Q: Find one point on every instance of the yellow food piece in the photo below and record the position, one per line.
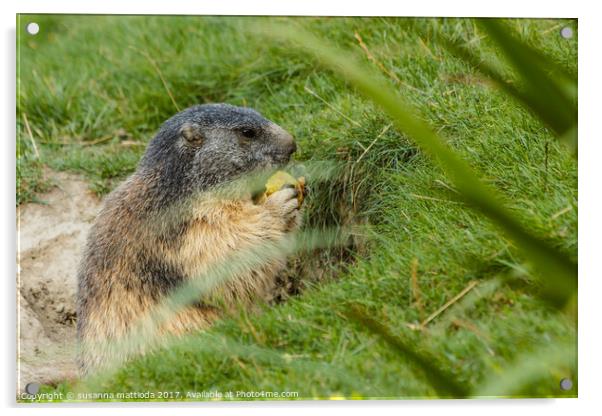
(280, 179)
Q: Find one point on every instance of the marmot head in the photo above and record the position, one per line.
(209, 144)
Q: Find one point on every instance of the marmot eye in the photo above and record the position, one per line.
(248, 133)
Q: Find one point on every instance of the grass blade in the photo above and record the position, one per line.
(557, 272)
(528, 369)
(527, 100)
(546, 85)
(444, 383)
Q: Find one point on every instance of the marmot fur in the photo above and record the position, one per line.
(138, 251)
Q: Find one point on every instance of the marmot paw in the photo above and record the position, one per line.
(284, 203)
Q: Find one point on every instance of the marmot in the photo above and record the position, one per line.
(138, 251)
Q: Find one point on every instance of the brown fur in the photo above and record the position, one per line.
(215, 229)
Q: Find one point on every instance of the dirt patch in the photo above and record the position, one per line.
(51, 237)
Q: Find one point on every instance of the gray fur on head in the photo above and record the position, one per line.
(209, 144)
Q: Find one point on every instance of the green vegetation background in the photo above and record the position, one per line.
(93, 90)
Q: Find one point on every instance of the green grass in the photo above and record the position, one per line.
(91, 92)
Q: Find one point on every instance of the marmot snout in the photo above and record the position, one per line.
(138, 251)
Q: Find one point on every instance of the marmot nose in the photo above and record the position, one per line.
(286, 140)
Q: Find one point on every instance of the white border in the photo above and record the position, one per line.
(590, 209)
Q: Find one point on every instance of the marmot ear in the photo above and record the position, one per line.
(192, 133)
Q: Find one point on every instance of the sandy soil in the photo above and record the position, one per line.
(51, 237)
